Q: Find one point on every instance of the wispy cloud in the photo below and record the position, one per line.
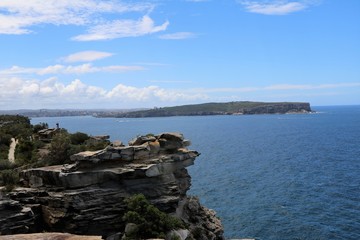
(311, 87)
(86, 56)
(20, 17)
(152, 64)
(69, 69)
(226, 90)
(178, 36)
(169, 81)
(280, 87)
(275, 7)
(121, 29)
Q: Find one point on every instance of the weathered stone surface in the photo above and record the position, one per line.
(49, 236)
(87, 155)
(204, 225)
(87, 197)
(141, 140)
(130, 228)
(17, 218)
(181, 234)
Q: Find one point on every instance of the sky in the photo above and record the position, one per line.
(88, 54)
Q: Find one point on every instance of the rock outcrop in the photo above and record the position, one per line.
(87, 196)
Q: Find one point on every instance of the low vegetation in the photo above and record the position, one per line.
(150, 221)
(36, 150)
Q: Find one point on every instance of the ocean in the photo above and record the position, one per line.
(293, 176)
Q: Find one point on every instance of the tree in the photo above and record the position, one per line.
(59, 150)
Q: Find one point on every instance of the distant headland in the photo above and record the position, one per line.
(212, 108)
(228, 108)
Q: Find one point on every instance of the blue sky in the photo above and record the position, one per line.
(129, 54)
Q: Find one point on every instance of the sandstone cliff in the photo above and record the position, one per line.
(87, 197)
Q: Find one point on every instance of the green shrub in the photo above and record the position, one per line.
(9, 178)
(23, 152)
(5, 164)
(78, 138)
(5, 139)
(76, 149)
(59, 150)
(174, 237)
(96, 145)
(40, 126)
(4, 152)
(152, 222)
(38, 144)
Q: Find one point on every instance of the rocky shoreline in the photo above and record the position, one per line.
(87, 196)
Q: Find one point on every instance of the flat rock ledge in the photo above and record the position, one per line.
(87, 196)
(49, 236)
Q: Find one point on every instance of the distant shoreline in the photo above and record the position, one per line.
(229, 108)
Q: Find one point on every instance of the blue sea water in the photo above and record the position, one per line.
(267, 176)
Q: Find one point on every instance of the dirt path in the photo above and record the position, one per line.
(12, 150)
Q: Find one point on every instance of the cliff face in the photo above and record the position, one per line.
(278, 108)
(87, 197)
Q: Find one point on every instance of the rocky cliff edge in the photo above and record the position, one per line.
(87, 196)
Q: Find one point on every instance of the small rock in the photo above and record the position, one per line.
(181, 234)
(117, 143)
(130, 229)
(141, 140)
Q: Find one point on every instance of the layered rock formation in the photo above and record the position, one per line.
(87, 197)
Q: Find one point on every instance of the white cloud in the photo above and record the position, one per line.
(63, 69)
(178, 36)
(86, 56)
(54, 69)
(19, 17)
(276, 7)
(17, 70)
(18, 93)
(121, 29)
(51, 93)
(29, 89)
